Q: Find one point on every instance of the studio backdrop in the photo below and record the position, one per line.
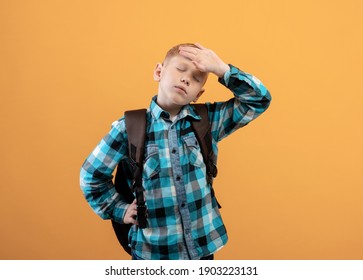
(290, 182)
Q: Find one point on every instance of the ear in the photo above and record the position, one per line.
(157, 72)
(199, 95)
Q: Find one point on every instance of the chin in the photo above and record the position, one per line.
(177, 100)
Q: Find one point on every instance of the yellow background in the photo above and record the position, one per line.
(290, 183)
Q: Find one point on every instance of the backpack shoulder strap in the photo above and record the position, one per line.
(136, 128)
(136, 131)
(202, 130)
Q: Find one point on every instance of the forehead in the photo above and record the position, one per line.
(181, 60)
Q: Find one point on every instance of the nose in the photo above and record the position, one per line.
(185, 80)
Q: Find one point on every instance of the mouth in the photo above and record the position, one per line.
(182, 89)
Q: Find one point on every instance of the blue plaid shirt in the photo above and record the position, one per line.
(184, 221)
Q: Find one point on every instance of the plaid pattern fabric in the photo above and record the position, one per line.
(184, 221)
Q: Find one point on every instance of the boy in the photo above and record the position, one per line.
(184, 221)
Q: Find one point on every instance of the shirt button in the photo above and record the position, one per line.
(182, 205)
(173, 151)
(178, 178)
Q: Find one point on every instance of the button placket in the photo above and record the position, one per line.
(181, 196)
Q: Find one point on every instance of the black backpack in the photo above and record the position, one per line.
(136, 130)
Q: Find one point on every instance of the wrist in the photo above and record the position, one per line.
(222, 69)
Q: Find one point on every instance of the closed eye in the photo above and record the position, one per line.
(197, 79)
(180, 69)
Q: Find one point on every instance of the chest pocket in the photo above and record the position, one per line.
(193, 150)
(152, 161)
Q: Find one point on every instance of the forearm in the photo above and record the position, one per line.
(96, 175)
(101, 197)
(247, 89)
(221, 69)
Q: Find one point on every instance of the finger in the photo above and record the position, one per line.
(132, 213)
(133, 217)
(199, 66)
(200, 46)
(131, 221)
(130, 217)
(131, 207)
(192, 50)
(188, 55)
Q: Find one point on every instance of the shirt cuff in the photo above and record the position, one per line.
(225, 79)
(120, 211)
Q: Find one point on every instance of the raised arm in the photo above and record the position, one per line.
(251, 98)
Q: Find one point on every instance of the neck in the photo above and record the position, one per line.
(173, 114)
(173, 110)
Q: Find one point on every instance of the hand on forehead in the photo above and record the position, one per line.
(191, 52)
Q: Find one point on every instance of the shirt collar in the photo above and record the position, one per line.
(187, 111)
